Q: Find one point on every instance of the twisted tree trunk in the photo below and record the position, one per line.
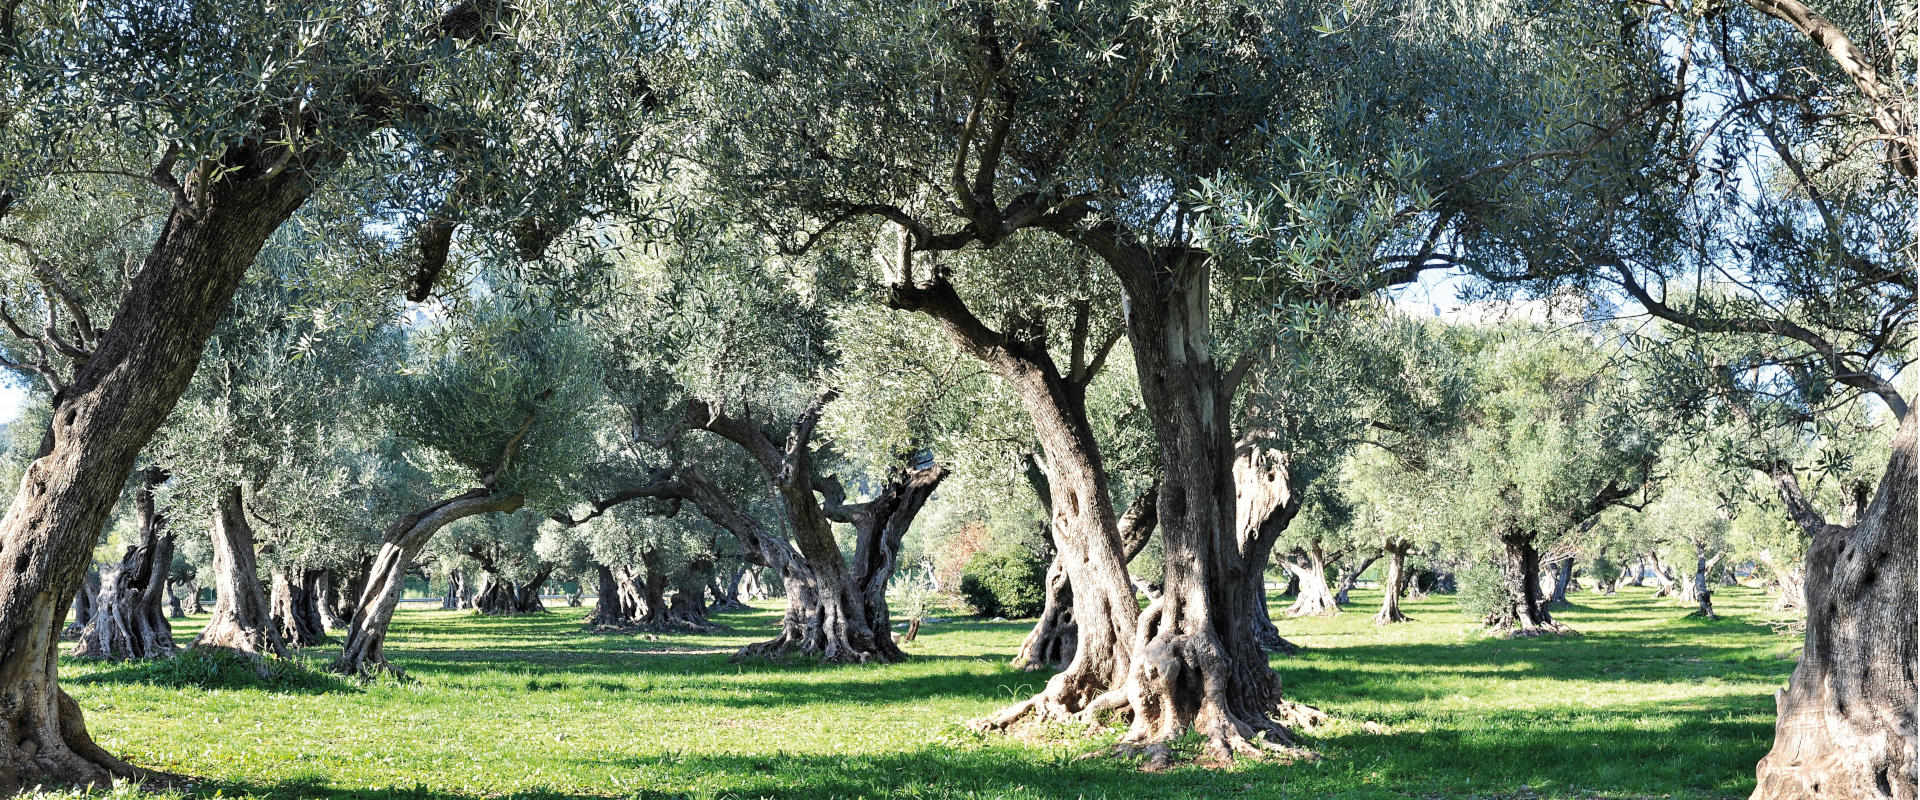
(1560, 577)
(880, 525)
(1084, 523)
(1846, 723)
(296, 608)
(1309, 566)
(1196, 668)
(456, 580)
(1395, 584)
(1522, 612)
(1351, 576)
(242, 621)
(327, 597)
(128, 620)
(365, 652)
(1699, 590)
(614, 606)
(1265, 503)
(502, 597)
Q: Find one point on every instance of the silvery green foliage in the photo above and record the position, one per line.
(275, 408)
(1314, 150)
(509, 541)
(1552, 424)
(1363, 404)
(535, 107)
(497, 394)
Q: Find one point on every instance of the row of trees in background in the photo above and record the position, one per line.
(690, 285)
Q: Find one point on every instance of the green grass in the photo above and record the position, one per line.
(1645, 703)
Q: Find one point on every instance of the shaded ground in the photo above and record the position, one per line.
(1645, 703)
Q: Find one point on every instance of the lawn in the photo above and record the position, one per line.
(1644, 703)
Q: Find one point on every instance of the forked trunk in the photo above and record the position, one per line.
(365, 650)
(1559, 578)
(296, 610)
(242, 621)
(880, 526)
(1522, 611)
(503, 597)
(1350, 576)
(614, 606)
(1846, 719)
(1394, 586)
(1309, 567)
(129, 621)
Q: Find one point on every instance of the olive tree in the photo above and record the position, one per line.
(1136, 137)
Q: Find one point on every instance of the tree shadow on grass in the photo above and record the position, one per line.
(204, 669)
(313, 787)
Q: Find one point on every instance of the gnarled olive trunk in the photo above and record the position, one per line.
(502, 597)
(1395, 585)
(1196, 666)
(1308, 565)
(1522, 610)
(1265, 503)
(83, 602)
(365, 651)
(327, 597)
(99, 423)
(1558, 579)
(456, 581)
(1350, 576)
(1846, 723)
(1083, 520)
(880, 525)
(614, 605)
(242, 621)
(1665, 584)
(296, 608)
(128, 620)
(1699, 590)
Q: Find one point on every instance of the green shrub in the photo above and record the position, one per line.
(1482, 589)
(1007, 581)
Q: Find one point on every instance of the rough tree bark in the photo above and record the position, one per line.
(1194, 668)
(128, 620)
(502, 597)
(1846, 722)
(242, 621)
(296, 608)
(614, 606)
(327, 597)
(1522, 611)
(1699, 590)
(456, 581)
(1664, 582)
(1351, 576)
(1396, 583)
(1083, 521)
(1560, 577)
(364, 653)
(1308, 565)
(829, 613)
(83, 601)
(1265, 503)
(131, 380)
(880, 525)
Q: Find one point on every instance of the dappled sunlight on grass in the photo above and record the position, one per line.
(1643, 703)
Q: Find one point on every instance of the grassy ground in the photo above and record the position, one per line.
(1645, 703)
